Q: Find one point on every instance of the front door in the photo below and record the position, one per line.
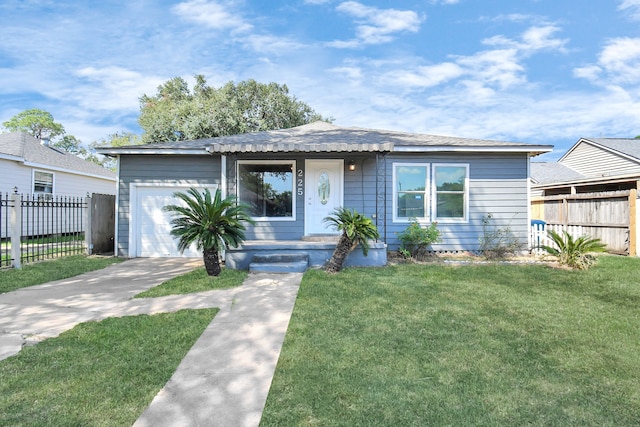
(323, 193)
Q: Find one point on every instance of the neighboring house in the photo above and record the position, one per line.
(293, 178)
(593, 187)
(30, 167)
(591, 165)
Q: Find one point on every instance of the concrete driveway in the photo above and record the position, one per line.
(223, 380)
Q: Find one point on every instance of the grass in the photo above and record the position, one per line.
(196, 281)
(56, 269)
(466, 345)
(99, 373)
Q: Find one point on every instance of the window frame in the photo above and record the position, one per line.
(465, 193)
(426, 192)
(291, 163)
(431, 193)
(33, 181)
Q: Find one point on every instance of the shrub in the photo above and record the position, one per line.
(415, 240)
(497, 243)
(574, 253)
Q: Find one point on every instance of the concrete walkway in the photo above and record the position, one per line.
(225, 377)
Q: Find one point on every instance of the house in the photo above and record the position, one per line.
(591, 165)
(593, 186)
(293, 178)
(30, 167)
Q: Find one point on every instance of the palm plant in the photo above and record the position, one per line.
(575, 253)
(212, 223)
(356, 229)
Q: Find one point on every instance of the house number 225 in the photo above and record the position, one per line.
(300, 183)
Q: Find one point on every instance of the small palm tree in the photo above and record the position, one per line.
(575, 253)
(213, 224)
(356, 229)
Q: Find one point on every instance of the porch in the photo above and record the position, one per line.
(297, 255)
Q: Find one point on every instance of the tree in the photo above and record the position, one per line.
(71, 144)
(36, 122)
(118, 139)
(176, 113)
(356, 229)
(213, 224)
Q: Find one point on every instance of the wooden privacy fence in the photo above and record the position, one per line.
(34, 228)
(610, 217)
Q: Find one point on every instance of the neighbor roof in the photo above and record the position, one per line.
(22, 147)
(325, 137)
(552, 172)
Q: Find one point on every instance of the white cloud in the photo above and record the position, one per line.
(533, 39)
(618, 64)
(428, 76)
(271, 44)
(213, 14)
(353, 73)
(632, 7)
(621, 58)
(376, 26)
(112, 88)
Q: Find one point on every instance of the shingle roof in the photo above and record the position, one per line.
(25, 147)
(628, 146)
(551, 172)
(326, 137)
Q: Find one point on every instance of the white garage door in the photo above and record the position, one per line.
(152, 226)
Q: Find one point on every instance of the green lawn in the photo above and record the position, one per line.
(99, 373)
(196, 281)
(55, 269)
(416, 345)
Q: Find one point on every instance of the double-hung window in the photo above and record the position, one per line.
(42, 182)
(267, 188)
(411, 191)
(450, 192)
(430, 192)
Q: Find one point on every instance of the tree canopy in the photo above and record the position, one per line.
(38, 123)
(176, 113)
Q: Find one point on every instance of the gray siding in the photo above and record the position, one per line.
(497, 186)
(593, 161)
(169, 169)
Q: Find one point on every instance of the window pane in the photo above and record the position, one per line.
(267, 189)
(411, 178)
(450, 205)
(410, 205)
(450, 178)
(42, 182)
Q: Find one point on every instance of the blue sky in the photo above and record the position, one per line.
(538, 71)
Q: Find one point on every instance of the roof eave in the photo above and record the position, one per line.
(11, 157)
(116, 152)
(533, 150)
(587, 181)
(280, 147)
(69, 171)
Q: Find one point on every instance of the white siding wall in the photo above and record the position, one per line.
(595, 162)
(14, 174)
(66, 184)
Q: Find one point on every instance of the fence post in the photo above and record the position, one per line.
(16, 230)
(633, 243)
(87, 221)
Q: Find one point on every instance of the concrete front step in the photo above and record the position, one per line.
(279, 263)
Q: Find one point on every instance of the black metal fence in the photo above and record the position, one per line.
(50, 227)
